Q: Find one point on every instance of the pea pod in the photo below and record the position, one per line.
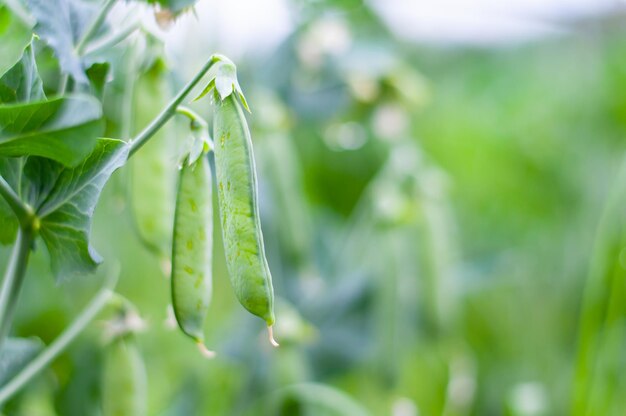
(124, 382)
(192, 249)
(152, 169)
(239, 211)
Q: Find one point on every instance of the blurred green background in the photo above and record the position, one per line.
(444, 226)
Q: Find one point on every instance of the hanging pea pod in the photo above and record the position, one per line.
(237, 197)
(153, 169)
(192, 250)
(124, 383)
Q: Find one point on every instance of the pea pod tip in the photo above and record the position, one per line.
(207, 353)
(270, 331)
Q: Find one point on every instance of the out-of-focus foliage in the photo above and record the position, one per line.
(430, 218)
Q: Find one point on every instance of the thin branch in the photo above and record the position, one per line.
(13, 279)
(170, 110)
(197, 122)
(192, 116)
(95, 25)
(22, 211)
(113, 39)
(20, 12)
(58, 345)
(84, 40)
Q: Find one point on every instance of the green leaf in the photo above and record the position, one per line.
(97, 74)
(14, 37)
(63, 129)
(22, 82)
(66, 199)
(61, 23)
(15, 353)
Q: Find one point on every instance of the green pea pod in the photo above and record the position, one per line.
(124, 383)
(239, 211)
(192, 249)
(153, 169)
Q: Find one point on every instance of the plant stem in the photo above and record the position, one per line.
(113, 39)
(170, 110)
(191, 115)
(93, 28)
(23, 212)
(20, 12)
(13, 279)
(82, 43)
(63, 83)
(57, 346)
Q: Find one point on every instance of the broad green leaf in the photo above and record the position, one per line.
(15, 353)
(64, 129)
(61, 23)
(14, 37)
(22, 83)
(67, 198)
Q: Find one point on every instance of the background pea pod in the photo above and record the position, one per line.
(153, 169)
(124, 384)
(192, 248)
(239, 211)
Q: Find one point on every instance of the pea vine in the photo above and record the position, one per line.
(54, 164)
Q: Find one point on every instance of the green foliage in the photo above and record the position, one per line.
(15, 353)
(97, 74)
(66, 210)
(427, 215)
(63, 129)
(22, 82)
(61, 25)
(14, 37)
(599, 363)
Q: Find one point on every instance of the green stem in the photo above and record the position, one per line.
(57, 346)
(170, 110)
(23, 212)
(20, 12)
(13, 279)
(82, 43)
(194, 117)
(63, 83)
(93, 28)
(113, 39)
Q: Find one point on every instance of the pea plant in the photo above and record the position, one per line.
(54, 163)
